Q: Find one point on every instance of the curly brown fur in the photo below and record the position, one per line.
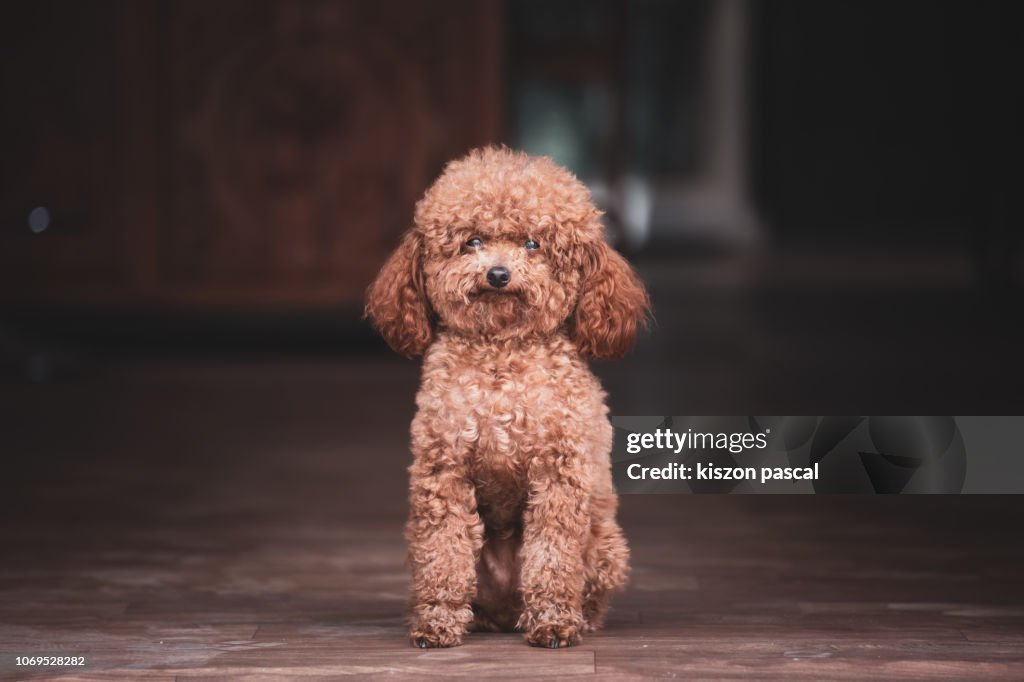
(512, 512)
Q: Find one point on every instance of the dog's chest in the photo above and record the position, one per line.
(503, 405)
(497, 410)
(509, 405)
(504, 409)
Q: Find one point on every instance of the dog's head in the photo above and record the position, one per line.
(507, 245)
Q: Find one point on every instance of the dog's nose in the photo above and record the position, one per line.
(498, 277)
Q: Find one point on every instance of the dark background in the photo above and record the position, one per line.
(821, 196)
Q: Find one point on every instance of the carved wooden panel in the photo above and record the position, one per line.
(230, 152)
(301, 143)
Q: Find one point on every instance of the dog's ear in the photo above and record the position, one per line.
(396, 302)
(612, 307)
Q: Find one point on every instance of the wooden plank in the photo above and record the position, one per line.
(235, 523)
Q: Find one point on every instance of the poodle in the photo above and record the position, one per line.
(506, 286)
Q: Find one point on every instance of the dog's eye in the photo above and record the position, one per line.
(531, 245)
(475, 243)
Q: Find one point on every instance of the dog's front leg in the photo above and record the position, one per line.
(556, 522)
(444, 534)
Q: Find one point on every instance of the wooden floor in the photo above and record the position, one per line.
(190, 520)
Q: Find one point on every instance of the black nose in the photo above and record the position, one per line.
(498, 277)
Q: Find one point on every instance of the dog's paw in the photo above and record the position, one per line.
(554, 636)
(434, 637)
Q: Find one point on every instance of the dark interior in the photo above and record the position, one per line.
(204, 445)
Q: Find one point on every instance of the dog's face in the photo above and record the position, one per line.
(507, 245)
